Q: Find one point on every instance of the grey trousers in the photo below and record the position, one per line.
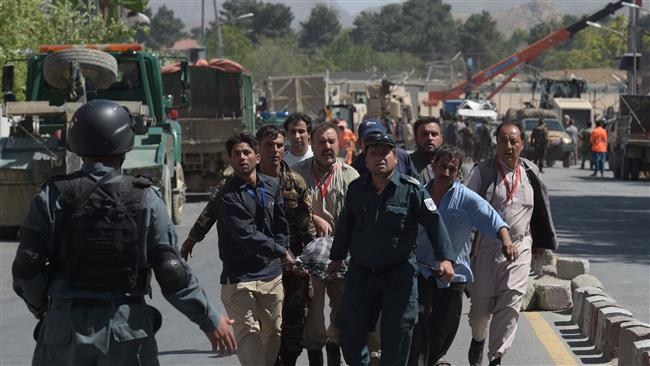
(504, 311)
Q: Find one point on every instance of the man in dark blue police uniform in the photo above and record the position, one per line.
(90, 240)
(378, 228)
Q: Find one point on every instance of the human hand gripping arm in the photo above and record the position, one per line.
(201, 227)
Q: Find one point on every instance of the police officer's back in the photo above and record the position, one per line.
(90, 240)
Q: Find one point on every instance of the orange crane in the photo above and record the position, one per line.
(522, 56)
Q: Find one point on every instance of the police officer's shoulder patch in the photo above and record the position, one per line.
(431, 206)
(409, 179)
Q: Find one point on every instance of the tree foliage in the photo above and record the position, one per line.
(26, 24)
(165, 29)
(321, 28)
(269, 20)
(480, 39)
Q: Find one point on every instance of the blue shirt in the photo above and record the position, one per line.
(461, 209)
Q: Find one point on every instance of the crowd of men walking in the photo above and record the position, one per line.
(386, 238)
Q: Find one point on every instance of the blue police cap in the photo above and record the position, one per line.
(379, 139)
(370, 126)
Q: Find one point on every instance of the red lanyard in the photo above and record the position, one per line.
(509, 191)
(323, 189)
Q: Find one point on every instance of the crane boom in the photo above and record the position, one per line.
(525, 55)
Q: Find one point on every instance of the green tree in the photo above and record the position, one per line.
(269, 20)
(236, 46)
(278, 57)
(321, 28)
(480, 39)
(420, 27)
(165, 29)
(26, 24)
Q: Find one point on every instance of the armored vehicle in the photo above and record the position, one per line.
(59, 80)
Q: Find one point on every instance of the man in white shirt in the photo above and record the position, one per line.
(298, 127)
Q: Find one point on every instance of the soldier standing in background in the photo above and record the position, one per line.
(539, 140)
(297, 208)
(585, 148)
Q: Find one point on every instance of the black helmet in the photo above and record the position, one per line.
(100, 128)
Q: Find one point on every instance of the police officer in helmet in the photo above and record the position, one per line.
(89, 242)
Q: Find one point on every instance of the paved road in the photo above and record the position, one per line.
(603, 220)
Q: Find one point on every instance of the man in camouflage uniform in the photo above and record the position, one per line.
(297, 208)
(539, 140)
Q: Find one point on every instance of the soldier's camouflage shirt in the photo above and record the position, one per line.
(297, 208)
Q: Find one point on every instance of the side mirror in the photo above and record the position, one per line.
(8, 83)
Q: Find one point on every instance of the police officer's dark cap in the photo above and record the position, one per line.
(379, 139)
(370, 126)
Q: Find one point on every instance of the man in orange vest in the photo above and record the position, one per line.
(599, 147)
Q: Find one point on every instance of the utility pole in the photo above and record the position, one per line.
(632, 43)
(218, 26)
(203, 23)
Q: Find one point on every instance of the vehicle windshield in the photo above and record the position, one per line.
(551, 124)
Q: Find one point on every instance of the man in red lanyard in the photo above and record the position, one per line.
(514, 188)
(327, 180)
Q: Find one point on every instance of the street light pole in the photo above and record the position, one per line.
(634, 17)
(218, 25)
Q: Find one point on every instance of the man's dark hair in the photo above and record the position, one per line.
(322, 127)
(268, 131)
(297, 117)
(599, 123)
(451, 151)
(588, 124)
(239, 139)
(424, 121)
(521, 130)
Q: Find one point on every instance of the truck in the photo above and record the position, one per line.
(60, 78)
(629, 138)
(560, 144)
(220, 105)
(564, 96)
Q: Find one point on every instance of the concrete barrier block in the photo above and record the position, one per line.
(602, 315)
(553, 297)
(641, 352)
(545, 264)
(528, 302)
(590, 314)
(612, 329)
(570, 268)
(626, 343)
(585, 280)
(578, 298)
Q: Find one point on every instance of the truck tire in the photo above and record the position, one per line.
(626, 168)
(549, 163)
(178, 196)
(100, 68)
(166, 186)
(635, 169)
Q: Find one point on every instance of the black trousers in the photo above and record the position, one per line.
(438, 320)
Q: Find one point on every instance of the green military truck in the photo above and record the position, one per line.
(220, 104)
(629, 138)
(59, 80)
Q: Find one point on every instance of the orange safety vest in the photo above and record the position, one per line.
(599, 140)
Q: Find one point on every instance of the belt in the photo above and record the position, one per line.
(380, 269)
(57, 303)
(519, 237)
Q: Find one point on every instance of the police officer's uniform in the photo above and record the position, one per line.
(90, 240)
(379, 231)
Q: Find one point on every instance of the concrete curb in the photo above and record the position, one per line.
(610, 328)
